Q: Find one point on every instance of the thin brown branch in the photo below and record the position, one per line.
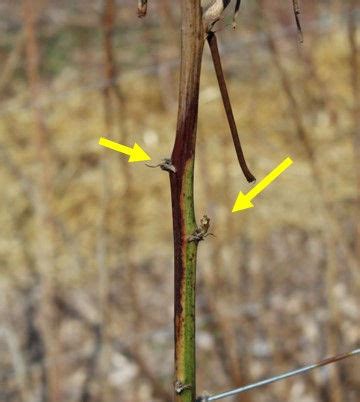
(211, 38)
(296, 8)
(304, 138)
(46, 233)
(236, 12)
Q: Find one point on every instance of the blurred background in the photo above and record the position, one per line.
(86, 279)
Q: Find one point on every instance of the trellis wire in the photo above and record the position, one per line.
(279, 377)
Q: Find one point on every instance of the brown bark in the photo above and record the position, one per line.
(184, 224)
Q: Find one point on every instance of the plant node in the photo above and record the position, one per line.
(165, 164)
(180, 387)
(201, 232)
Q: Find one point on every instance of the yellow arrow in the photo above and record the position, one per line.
(136, 153)
(243, 201)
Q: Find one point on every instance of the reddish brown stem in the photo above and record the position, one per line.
(212, 41)
(182, 195)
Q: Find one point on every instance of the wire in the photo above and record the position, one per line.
(279, 377)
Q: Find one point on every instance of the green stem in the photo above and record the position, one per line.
(182, 194)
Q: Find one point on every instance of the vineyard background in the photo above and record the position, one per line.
(86, 281)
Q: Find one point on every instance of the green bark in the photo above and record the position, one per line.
(182, 194)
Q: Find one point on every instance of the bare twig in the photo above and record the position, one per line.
(44, 205)
(296, 8)
(305, 139)
(211, 38)
(236, 12)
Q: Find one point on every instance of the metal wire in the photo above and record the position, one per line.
(280, 377)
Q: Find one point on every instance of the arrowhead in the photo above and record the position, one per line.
(138, 154)
(242, 202)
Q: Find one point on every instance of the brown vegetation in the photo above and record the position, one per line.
(86, 291)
